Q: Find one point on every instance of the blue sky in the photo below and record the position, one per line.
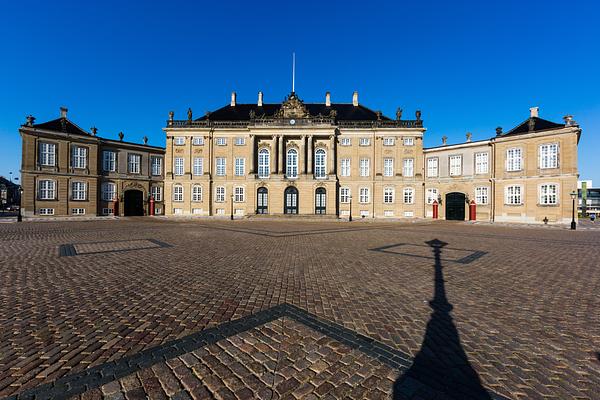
(469, 66)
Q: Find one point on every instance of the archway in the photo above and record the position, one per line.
(455, 206)
(134, 203)
(320, 201)
(290, 200)
(262, 201)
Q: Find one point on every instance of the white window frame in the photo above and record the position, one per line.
(46, 211)
(134, 163)
(408, 195)
(513, 195)
(482, 195)
(433, 167)
(77, 211)
(178, 193)
(344, 194)
(482, 162)
(240, 141)
(364, 195)
(239, 194)
(179, 140)
(78, 191)
(388, 167)
(220, 194)
(345, 141)
(546, 196)
(408, 167)
(388, 195)
(47, 154)
(240, 166)
(264, 163)
(345, 167)
(198, 166)
(320, 163)
(109, 191)
(46, 189)
(365, 167)
(109, 161)
(156, 193)
(514, 159)
(548, 155)
(389, 141)
(364, 141)
(179, 166)
(156, 165)
(198, 141)
(432, 195)
(221, 168)
(197, 193)
(291, 165)
(409, 141)
(221, 141)
(455, 165)
(79, 157)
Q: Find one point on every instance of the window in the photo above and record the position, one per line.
(109, 191)
(178, 211)
(408, 141)
(513, 159)
(238, 194)
(481, 195)
(388, 213)
(364, 213)
(177, 193)
(409, 195)
(220, 211)
(345, 167)
(107, 211)
(408, 167)
(109, 159)
(221, 166)
(78, 211)
(221, 141)
(388, 141)
(344, 195)
(364, 167)
(320, 162)
(156, 192)
(432, 195)
(240, 141)
(549, 155)
(47, 154)
(196, 193)
(240, 166)
(156, 165)
(481, 163)
(292, 164)
(548, 194)
(264, 161)
(47, 190)
(388, 167)
(197, 211)
(78, 157)
(455, 165)
(409, 213)
(364, 195)
(198, 141)
(513, 195)
(78, 190)
(178, 165)
(179, 140)
(46, 211)
(364, 141)
(432, 167)
(388, 195)
(345, 141)
(198, 166)
(133, 163)
(220, 194)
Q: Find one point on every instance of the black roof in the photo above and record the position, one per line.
(61, 125)
(533, 124)
(241, 112)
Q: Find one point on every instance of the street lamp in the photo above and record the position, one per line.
(573, 223)
(232, 206)
(350, 217)
(20, 216)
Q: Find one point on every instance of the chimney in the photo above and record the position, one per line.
(260, 99)
(63, 112)
(327, 99)
(534, 112)
(444, 140)
(232, 99)
(355, 99)
(469, 134)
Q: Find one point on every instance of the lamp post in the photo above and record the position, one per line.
(573, 223)
(350, 217)
(20, 216)
(232, 206)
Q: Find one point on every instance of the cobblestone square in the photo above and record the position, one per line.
(183, 308)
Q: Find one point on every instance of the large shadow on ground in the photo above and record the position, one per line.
(441, 368)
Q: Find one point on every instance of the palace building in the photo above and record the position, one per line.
(331, 160)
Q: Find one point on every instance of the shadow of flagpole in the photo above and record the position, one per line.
(441, 368)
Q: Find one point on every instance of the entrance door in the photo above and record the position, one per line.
(134, 203)
(290, 201)
(262, 201)
(320, 199)
(455, 206)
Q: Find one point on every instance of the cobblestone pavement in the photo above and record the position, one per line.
(284, 309)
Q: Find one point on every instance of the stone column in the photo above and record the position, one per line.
(309, 163)
(252, 154)
(280, 155)
(302, 155)
(331, 155)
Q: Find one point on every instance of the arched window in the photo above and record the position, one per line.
(197, 193)
(320, 162)
(177, 193)
(292, 163)
(264, 161)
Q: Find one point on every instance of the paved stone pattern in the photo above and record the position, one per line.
(526, 311)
